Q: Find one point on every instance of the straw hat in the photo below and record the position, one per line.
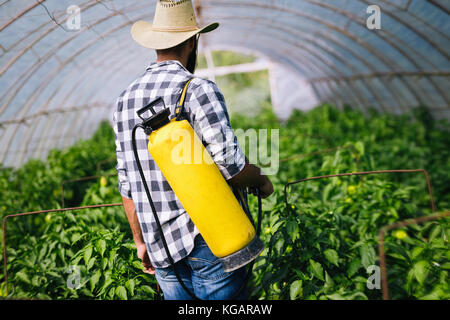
(174, 23)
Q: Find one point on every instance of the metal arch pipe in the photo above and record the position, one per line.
(40, 27)
(359, 57)
(380, 57)
(369, 66)
(73, 89)
(50, 123)
(332, 26)
(354, 17)
(65, 134)
(300, 14)
(86, 123)
(337, 94)
(49, 77)
(413, 29)
(323, 92)
(295, 44)
(30, 136)
(31, 132)
(76, 118)
(89, 124)
(440, 6)
(387, 74)
(81, 73)
(357, 91)
(90, 130)
(425, 39)
(36, 66)
(416, 17)
(26, 10)
(35, 41)
(28, 72)
(98, 58)
(410, 59)
(343, 32)
(83, 117)
(63, 130)
(39, 116)
(65, 42)
(51, 119)
(45, 134)
(63, 125)
(79, 117)
(338, 57)
(106, 75)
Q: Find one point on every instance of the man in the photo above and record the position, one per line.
(174, 35)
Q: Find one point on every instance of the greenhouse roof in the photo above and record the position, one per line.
(57, 84)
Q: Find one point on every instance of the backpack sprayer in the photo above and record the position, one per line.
(205, 195)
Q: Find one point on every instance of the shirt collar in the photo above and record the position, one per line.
(155, 64)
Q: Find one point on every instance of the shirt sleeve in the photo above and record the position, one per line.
(212, 124)
(124, 184)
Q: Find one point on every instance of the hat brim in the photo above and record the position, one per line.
(143, 33)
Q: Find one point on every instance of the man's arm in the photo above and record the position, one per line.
(142, 254)
(125, 191)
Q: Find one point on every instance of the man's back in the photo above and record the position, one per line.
(206, 111)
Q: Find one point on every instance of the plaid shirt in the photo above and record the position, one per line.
(207, 113)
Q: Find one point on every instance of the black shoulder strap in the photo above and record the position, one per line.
(179, 111)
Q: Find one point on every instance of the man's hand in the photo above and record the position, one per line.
(265, 190)
(143, 255)
(251, 177)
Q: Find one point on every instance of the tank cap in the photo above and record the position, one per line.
(157, 119)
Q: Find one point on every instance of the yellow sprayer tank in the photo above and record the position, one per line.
(201, 188)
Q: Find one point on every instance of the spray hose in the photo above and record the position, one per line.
(155, 215)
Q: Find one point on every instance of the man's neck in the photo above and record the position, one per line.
(177, 58)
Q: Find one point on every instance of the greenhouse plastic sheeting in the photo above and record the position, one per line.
(57, 83)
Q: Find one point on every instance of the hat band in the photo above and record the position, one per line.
(175, 29)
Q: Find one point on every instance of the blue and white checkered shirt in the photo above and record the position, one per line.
(207, 114)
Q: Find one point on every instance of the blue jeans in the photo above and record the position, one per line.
(203, 274)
